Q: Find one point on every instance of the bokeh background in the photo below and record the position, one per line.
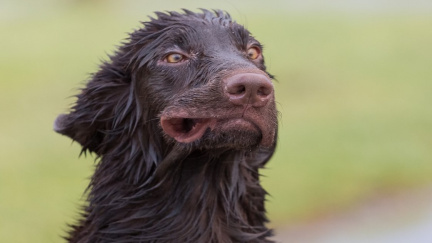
(354, 88)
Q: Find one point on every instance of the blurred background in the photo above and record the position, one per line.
(354, 89)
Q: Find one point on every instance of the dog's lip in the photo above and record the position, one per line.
(187, 129)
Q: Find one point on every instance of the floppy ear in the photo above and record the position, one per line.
(81, 131)
(108, 106)
(101, 108)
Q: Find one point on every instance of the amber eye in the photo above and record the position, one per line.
(174, 58)
(253, 52)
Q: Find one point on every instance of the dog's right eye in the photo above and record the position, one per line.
(174, 58)
(254, 52)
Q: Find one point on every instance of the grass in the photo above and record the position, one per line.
(353, 92)
(354, 100)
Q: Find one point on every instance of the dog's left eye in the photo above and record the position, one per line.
(254, 52)
(174, 58)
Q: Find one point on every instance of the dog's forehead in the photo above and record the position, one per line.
(215, 35)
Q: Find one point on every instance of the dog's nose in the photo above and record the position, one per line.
(249, 88)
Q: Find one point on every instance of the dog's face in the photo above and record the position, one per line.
(200, 76)
(217, 92)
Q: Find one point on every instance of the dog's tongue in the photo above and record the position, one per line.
(186, 130)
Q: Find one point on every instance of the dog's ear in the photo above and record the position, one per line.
(108, 105)
(79, 130)
(100, 110)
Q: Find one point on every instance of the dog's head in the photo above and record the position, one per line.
(192, 79)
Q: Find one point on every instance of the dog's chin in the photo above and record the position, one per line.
(232, 134)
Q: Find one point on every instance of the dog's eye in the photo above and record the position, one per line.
(174, 58)
(253, 52)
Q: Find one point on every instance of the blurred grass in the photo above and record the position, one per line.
(354, 92)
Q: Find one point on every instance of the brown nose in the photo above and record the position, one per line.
(249, 88)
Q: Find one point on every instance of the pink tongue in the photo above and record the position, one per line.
(186, 130)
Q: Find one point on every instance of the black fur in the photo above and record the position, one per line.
(150, 186)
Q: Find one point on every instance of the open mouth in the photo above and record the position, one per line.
(186, 130)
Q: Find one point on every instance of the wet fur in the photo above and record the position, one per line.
(147, 187)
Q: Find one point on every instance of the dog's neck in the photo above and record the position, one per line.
(217, 196)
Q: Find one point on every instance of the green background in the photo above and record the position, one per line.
(354, 89)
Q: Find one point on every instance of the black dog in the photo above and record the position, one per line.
(181, 117)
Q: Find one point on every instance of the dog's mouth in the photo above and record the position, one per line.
(186, 130)
(235, 127)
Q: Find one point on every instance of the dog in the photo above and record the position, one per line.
(181, 118)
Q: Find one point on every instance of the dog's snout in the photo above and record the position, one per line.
(249, 88)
